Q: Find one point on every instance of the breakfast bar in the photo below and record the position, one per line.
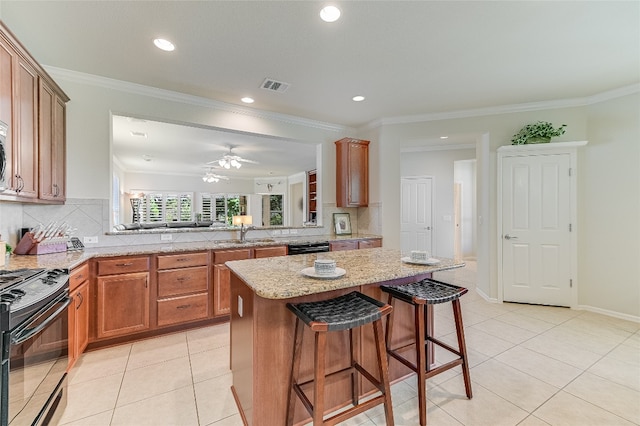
(262, 328)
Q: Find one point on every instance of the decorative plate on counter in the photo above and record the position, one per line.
(430, 261)
(311, 273)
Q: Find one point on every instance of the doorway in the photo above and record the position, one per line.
(416, 214)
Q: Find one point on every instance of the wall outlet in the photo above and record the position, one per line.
(166, 237)
(90, 240)
(275, 232)
(285, 232)
(293, 231)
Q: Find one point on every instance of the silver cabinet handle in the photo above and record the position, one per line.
(509, 237)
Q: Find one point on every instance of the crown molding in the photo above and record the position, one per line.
(169, 95)
(506, 109)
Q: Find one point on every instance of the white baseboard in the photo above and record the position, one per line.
(609, 313)
(485, 297)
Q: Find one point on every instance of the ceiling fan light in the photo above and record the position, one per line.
(235, 163)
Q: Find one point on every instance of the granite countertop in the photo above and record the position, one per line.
(71, 259)
(284, 279)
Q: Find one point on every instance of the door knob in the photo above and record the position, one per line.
(509, 237)
(428, 228)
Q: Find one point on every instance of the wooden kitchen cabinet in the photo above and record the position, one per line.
(365, 244)
(122, 296)
(343, 245)
(222, 278)
(352, 173)
(312, 196)
(31, 105)
(52, 119)
(183, 288)
(260, 252)
(24, 177)
(78, 312)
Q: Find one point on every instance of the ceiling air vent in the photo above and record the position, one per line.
(274, 86)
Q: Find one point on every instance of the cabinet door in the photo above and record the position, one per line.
(60, 150)
(81, 303)
(25, 156)
(123, 304)
(45, 145)
(343, 245)
(221, 290)
(260, 252)
(51, 144)
(365, 244)
(352, 173)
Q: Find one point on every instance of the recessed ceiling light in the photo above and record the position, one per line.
(358, 98)
(164, 44)
(247, 100)
(330, 14)
(146, 157)
(444, 137)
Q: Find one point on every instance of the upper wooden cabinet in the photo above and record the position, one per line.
(52, 119)
(33, 107)
(352, 173)
(312, 196)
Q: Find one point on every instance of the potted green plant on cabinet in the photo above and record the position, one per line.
(540, 132)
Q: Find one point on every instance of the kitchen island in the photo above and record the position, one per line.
(262, 327)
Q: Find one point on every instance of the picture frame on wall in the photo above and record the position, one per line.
(342, 223)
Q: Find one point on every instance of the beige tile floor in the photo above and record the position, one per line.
(530, 365)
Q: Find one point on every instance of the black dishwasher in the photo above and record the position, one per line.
(306, 248)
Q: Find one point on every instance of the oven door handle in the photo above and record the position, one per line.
(27, 333)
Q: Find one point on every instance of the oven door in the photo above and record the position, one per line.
(38, 363)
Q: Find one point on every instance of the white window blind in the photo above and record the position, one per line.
(166, 207)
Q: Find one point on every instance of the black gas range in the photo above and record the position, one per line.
(34, 342)
(25, 291)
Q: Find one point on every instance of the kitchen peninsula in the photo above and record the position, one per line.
(262, 327)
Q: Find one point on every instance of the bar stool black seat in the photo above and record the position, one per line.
(346, 312)
(420, 294)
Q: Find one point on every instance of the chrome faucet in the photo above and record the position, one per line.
(243, 231)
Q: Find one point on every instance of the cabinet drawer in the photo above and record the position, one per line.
(172, 261)
(343, 245)
(364, 244)
(123, 265)
(227, 255)
(270, 251)
(78, 276)
(182, 281)
(182, 309)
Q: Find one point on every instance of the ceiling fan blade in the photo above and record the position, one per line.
(244, 160)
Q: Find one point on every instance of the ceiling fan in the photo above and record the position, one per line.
(210, 177)
(230, 160)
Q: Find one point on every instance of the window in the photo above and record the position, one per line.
(222, 207)
(275, 209)
(166, 207)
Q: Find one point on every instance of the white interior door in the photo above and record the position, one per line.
(457, 220)
(416, 226)
(536, 226)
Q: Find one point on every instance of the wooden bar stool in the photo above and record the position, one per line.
(341, 313)
(421, 294)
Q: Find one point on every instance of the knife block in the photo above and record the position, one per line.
(28, 245)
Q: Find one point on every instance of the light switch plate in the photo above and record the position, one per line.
(166, 237)
(240, 307)
(90, 240)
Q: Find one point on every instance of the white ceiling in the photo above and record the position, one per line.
(406, 57)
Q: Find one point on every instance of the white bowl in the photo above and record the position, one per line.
(324, 266)
(419, 255)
